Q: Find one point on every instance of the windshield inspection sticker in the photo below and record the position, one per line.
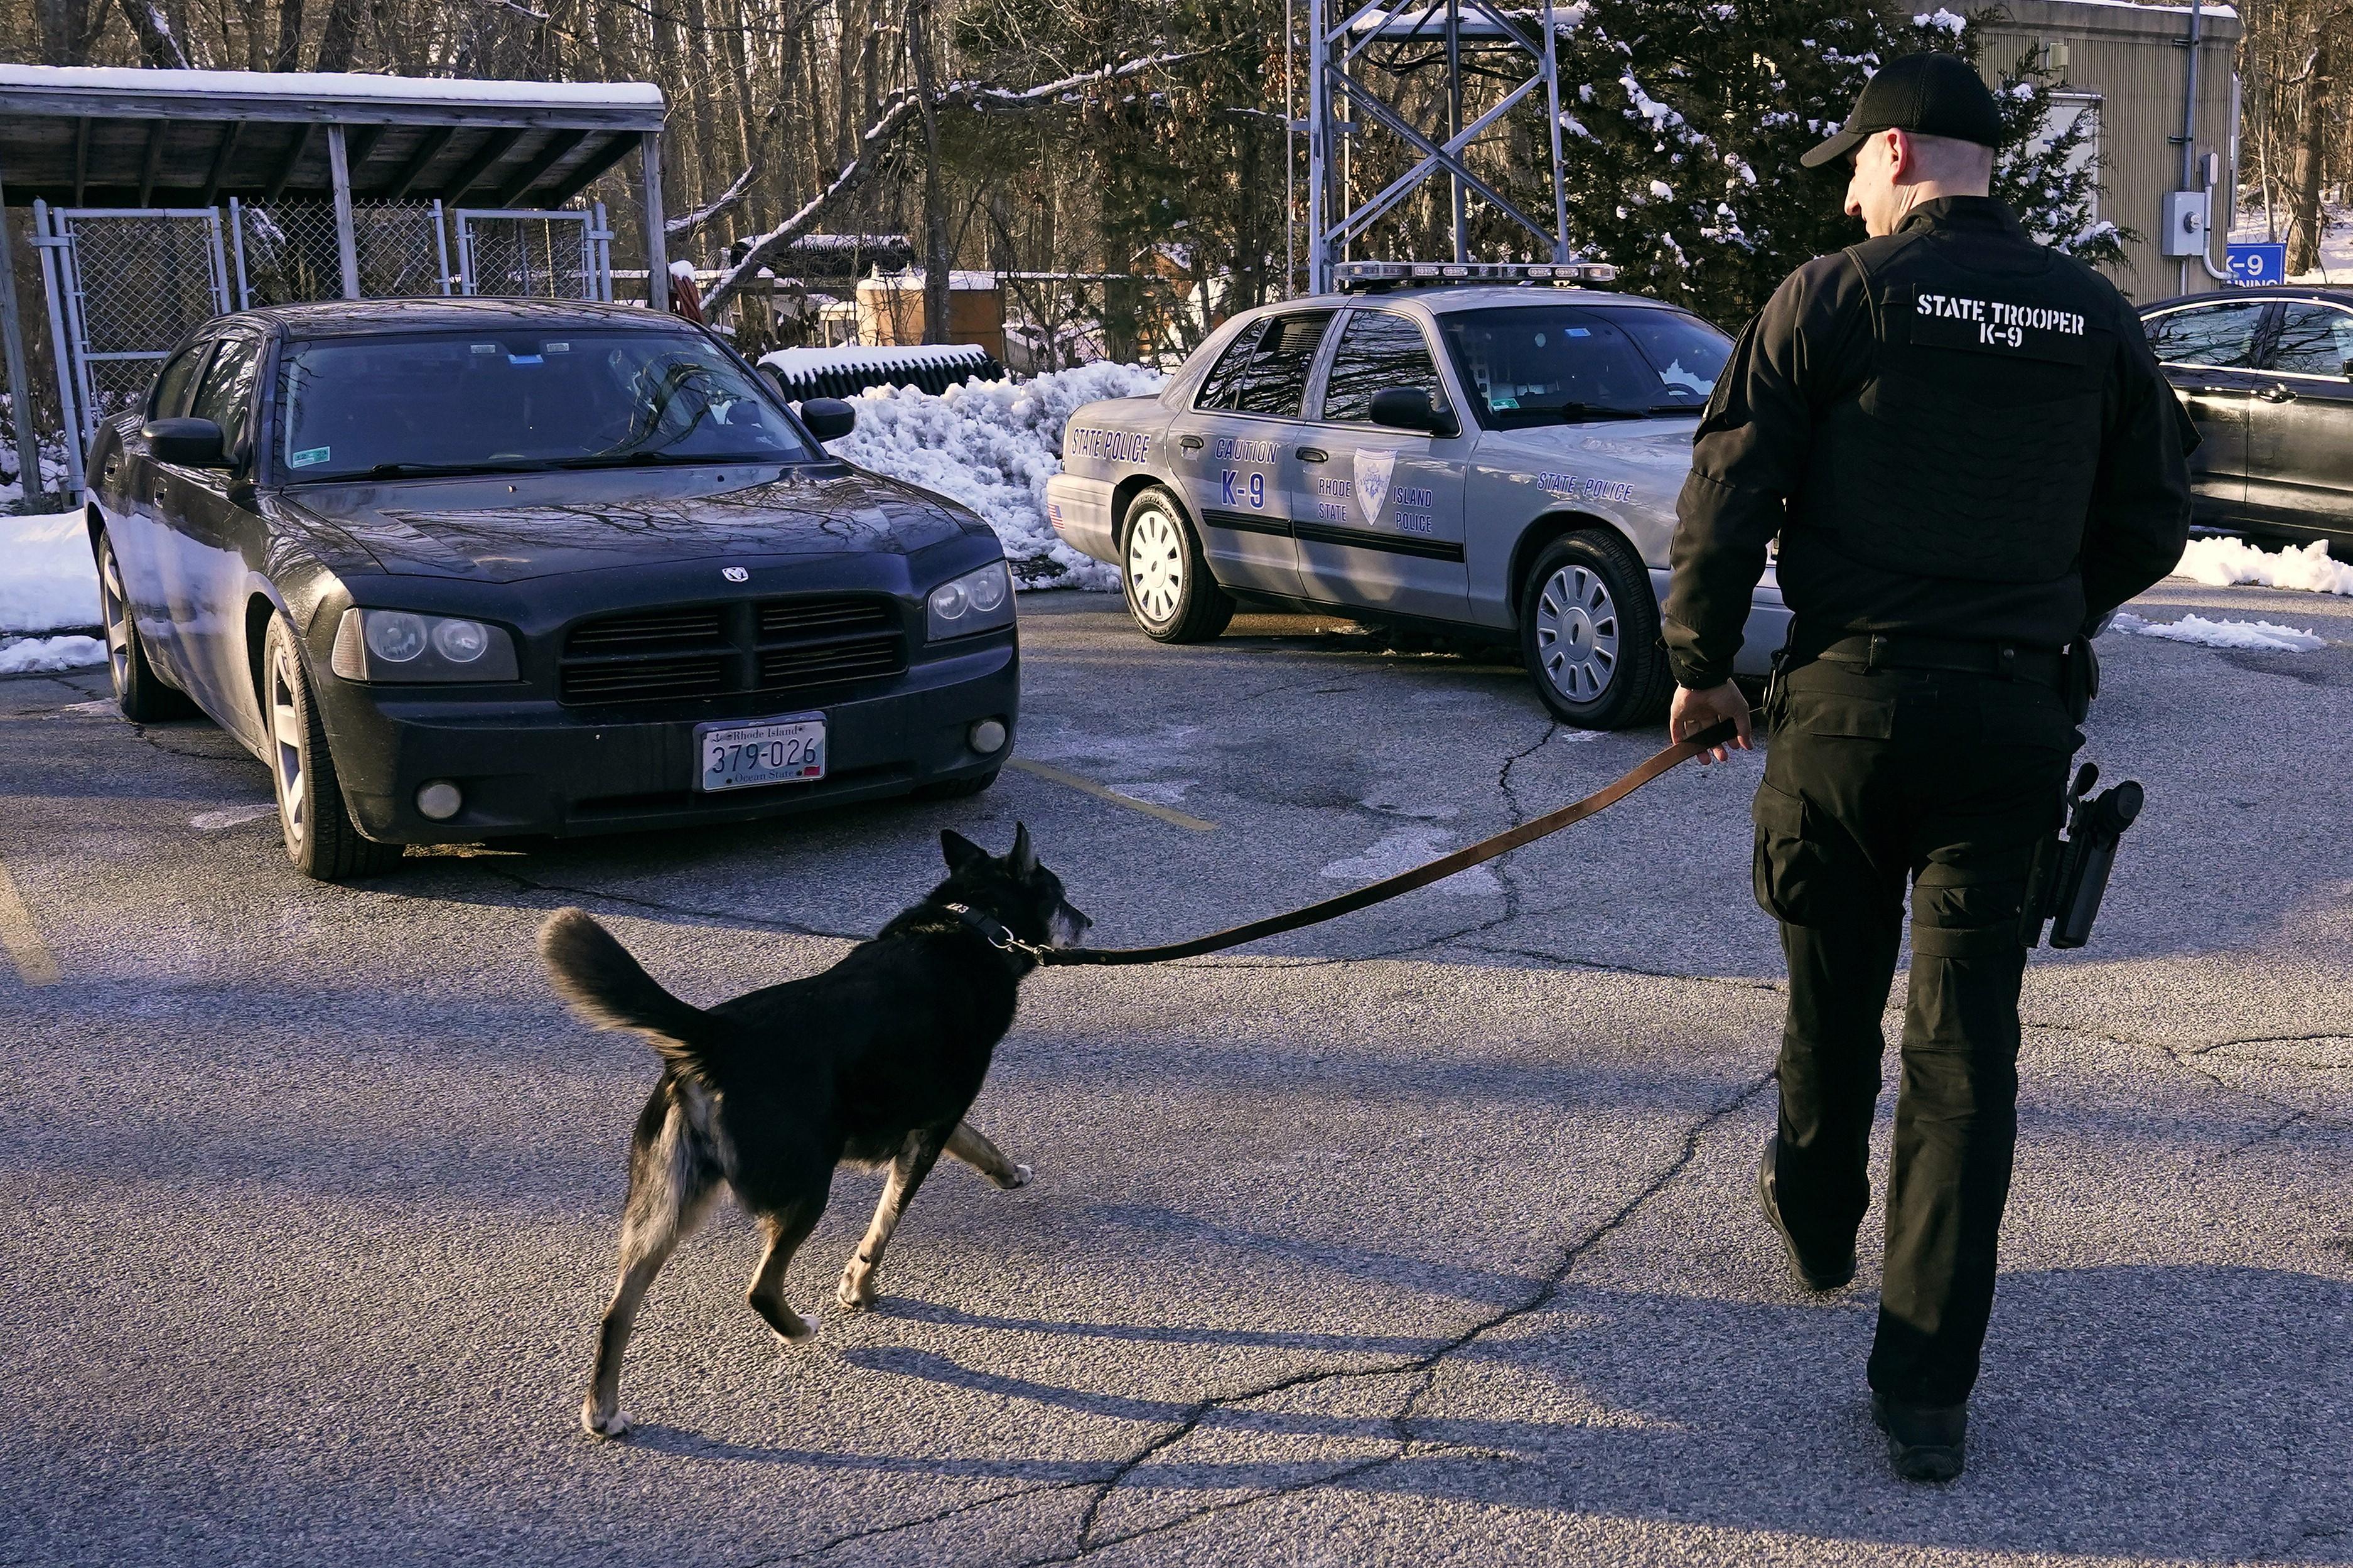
(1999, 327)
(309, 456)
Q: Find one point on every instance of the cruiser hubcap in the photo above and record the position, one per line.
(1155, 564)
(1577, 632)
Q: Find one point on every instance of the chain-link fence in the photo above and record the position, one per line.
(287, 251)
(532, 256)
(138, 280)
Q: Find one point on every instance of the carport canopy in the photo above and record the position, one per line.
(94, 136)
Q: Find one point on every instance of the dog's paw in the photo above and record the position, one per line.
(1019, 1177)
(856, 1292)
(613, 1423)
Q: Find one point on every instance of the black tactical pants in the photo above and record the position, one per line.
(1874, 780)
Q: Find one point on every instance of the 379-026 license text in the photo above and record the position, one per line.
(740, 756)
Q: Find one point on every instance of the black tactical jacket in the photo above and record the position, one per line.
(1955, 432)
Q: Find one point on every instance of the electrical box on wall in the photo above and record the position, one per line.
(2183, 232)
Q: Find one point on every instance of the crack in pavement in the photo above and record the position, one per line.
(592, 895)
(1429, 1364)
(875, 1532)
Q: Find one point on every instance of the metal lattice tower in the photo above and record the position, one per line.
(1340, 102)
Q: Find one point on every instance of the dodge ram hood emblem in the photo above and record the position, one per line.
(736, 573)
(1373, 470)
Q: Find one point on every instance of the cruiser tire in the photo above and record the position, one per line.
(1165, 576)
(322, 840)
(1590, 635)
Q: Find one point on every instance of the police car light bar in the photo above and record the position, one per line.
(1352, 275)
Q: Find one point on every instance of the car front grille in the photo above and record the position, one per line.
(779, 646)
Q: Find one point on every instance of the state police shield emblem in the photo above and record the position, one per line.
(1373, 468)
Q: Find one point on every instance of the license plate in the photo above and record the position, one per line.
(740, 756)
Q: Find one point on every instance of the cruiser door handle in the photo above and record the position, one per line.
(2277, 394)
(1189, 443)
(1310, 454)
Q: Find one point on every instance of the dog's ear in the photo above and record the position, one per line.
(1023, 861)
(960, 851)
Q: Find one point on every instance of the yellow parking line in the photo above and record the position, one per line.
(1089, 787)
(22, 936)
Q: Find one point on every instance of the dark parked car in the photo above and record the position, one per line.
(460, 569)
(2268, 376)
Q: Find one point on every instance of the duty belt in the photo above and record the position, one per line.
(1902, 650)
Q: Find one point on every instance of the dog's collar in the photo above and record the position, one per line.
(995, 932)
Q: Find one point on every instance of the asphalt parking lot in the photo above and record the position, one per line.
(1427, 1235)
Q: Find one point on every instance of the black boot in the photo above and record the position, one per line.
(1923, 1441)
(1817, 1274)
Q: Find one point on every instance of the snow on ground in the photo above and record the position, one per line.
(2249, 226)
(2257, 637)
(992, 446)
(47, 578)
(23, 656)
(2221, 563)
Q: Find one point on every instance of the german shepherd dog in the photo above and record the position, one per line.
(874, 1061)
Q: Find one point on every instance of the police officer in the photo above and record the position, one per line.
(1970, 457)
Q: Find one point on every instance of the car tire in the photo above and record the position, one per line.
(1590, 635)
(139, 691)
(1165, 575)
(958, 789)
(321, 838)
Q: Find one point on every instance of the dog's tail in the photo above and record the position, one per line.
(607, 987)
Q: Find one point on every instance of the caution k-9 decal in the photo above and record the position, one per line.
(2003, 327)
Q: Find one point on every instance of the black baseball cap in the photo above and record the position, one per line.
(1935, 94)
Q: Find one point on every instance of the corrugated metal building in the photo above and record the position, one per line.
(2132, 62)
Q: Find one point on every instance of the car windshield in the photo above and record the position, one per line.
(1543, 364)
(515, 400)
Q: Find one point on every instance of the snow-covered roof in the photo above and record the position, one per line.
(130, 93)
(912, 282)
(109, 136)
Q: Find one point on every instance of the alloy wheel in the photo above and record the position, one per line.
(1155, 563)
(286, 749)
(1577, 632)
(114, 605)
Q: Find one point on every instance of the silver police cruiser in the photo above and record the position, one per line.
(1484, 449)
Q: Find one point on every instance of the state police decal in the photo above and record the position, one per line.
(1999, 327)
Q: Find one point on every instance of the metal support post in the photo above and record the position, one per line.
(441, 245)
(56, 282)
(657, 228)
(1319, 154)
(20, 379)
(1454, 116)
(347, 248)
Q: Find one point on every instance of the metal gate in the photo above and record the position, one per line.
(533, 255)
(124, 285)
(286, 252)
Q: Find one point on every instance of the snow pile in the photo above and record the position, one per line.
(2219, 563)
(46, 577)
(2255, 637)
(25, 655)
(992, 446)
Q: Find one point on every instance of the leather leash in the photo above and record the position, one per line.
(1388, 887)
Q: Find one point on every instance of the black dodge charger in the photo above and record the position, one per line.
(460, 569)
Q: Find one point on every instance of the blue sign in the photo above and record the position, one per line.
(2255, 264)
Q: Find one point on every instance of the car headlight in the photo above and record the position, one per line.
(400, 645)
(976, 602)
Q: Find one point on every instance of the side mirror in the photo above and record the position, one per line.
(828, 418)
(1408, 408)
(189, 442)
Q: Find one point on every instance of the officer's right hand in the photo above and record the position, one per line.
(1696, 710)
